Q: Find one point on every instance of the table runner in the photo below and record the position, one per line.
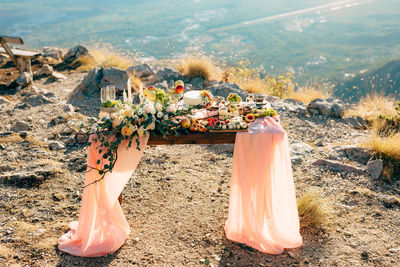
(102, 226)
(262, 206)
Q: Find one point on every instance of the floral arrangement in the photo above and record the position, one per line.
(206, 98)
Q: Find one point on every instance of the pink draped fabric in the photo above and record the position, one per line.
(262, 207)
(102, 226)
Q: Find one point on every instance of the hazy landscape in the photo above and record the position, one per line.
(327, 39)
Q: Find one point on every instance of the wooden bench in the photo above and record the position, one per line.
(190, 139)
(21, 58)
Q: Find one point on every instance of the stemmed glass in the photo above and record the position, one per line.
(107, 93)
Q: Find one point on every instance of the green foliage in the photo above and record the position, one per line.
(387, 125)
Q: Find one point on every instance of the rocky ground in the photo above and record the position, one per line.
(177, 200)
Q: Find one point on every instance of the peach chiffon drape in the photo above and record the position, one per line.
(102, 226)
(262, 207)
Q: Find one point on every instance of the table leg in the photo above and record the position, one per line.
(120, 199)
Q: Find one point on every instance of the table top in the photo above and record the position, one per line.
(194, 138)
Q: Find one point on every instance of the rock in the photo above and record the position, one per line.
(69, 141)
(300, 148)
(39, 232)
(328, 107)
(224, 89)
(5, 133)
(294, 253)
(4, 101)
(58, 76)
(68, 108)
(23, 134)
(375, 168)
(45, 70)
(82, 137)
(337, 166)
(20, 126)
(394, 250)
(162, 85)
(197, 83)
(389, 202)
(365, 255)
(28, 178)
(24, 79)
(58, 120)
(98, 78)
(52, 52)
(354, 153)
(142, 70)
(58, 196)
(357, 122)
(296, 160)
(37, 100)
(72, 56)
(56, 145)
(166, 74)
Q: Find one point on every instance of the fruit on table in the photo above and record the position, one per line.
(201, 128)
(243, 125)
(194, 127)
(108, 104)
(233, 98)
(179, 82)
(274, 113)
(185, 123)
(179, 89)
(250, 117)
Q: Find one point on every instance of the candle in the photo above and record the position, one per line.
(129, 87)
(124, 96)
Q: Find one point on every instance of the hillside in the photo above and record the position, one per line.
(176, 202)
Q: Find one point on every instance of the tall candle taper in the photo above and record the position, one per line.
(129, 86)
(124, 96)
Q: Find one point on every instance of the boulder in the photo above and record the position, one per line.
(45, 70)
(354, 153)
(71, 57)
(24, 79)
(101, 77)
(337, 166)
(197, 83)
(289, 105)
(300, 148)
(37, 100)
(82, 137)
(328, 107)
(20, 126)
(142, 70)
(166, 74)
(162, 85)
(58, 76)
(56, 145)
(52, 52)
(224, 89)
(375, 168)
(357, 122)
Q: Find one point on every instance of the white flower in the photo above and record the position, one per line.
(171, 108)
(230, 126)
(135, 118)
(159, 107)
(166, 117)
(128, 112)
(135, 128)
(117, 120)
(160, 115)
(224, 127)
(149, 108)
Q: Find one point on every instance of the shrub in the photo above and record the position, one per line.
(372, 105)
(199, 67)
(251, 79)
(105, 56)
(388, 125)
(314, 211)
(312, 90)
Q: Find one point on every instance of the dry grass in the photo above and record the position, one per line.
(387, 147)
(314, 211)
(105, 56)
(312, 90)
(199, 67)
(135, 81)
(373, 105)
(251, 79)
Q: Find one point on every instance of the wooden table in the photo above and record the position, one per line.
(190, 139)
